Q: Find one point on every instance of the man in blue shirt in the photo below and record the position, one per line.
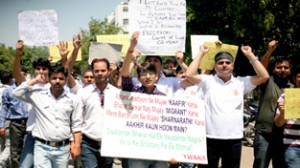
(6, 80)
(16, 112)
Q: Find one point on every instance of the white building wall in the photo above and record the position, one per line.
(120, 17)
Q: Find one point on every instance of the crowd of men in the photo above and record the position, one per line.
(47, 119)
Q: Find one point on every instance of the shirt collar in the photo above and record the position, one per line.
(64, 93)
(232, 79)
(96, 89)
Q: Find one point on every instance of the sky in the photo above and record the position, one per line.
(73, 15)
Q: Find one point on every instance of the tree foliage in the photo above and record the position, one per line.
(254, 23)
(96, 27)
(237, 22)
(6, 58)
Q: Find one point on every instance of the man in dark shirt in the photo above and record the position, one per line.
(268, 138)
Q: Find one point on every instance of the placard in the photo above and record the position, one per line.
(38, 27)
(161, 23)
(198, 40)
(121, 39)
(152, 127)
(54, 52)
(112, 52)
(208, 60)
(291, 103)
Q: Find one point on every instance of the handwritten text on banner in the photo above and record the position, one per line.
(158, 127)
(38, 27)
(161, 23)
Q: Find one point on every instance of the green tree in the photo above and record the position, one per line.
(96, 27)
(30, 54)
(6, 58)
(247, 22)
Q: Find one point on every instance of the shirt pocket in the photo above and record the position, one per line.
(64, 114)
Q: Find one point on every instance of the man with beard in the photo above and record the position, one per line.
(268, 137)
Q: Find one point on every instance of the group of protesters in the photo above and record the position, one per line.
(47, 119)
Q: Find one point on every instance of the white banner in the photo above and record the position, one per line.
(198, 40)
(161, 23)
(154, 127)
(38, 27)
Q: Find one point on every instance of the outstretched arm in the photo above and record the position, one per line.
(63, 51)
(262, 74)
(16, 66)
(179, 58)
(71, 61)
(129, 55)
(271, 48)
(191, 73)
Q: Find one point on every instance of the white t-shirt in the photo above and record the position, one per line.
(224, 103)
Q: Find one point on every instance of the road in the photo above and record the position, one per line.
(246, 162)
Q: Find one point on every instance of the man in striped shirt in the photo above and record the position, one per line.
(291, 131)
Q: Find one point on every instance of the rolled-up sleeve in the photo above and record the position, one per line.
(76, 123)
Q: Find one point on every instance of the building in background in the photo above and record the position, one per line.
(120, 17)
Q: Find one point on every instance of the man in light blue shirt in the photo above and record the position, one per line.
(6, 80)
(16, 112)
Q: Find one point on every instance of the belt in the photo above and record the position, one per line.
(19, 121)
(54, 143)
(91, 142)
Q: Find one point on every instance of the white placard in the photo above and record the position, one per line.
(198, 40)
(112, 52)
(161, 23)
(38, 27)
(151, 127)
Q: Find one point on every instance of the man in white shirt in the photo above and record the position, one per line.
(41, 67)
(223, 95)
(58, 114)
(92, 99)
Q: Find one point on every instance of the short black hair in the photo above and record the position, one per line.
(178, 69)
(279, 59)
(172, 60)
(43, 62)
(6, 77)
(23, 69)
(144, 68)
(295, 70)
(153, 56)
(58, 69)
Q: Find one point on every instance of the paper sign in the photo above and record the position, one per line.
(122, 39)
(198, 40)
(38, 27)
(161, 23)
(291, 103)
(151, 127)
(112, 52)
(208, 61)
(54, 52)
